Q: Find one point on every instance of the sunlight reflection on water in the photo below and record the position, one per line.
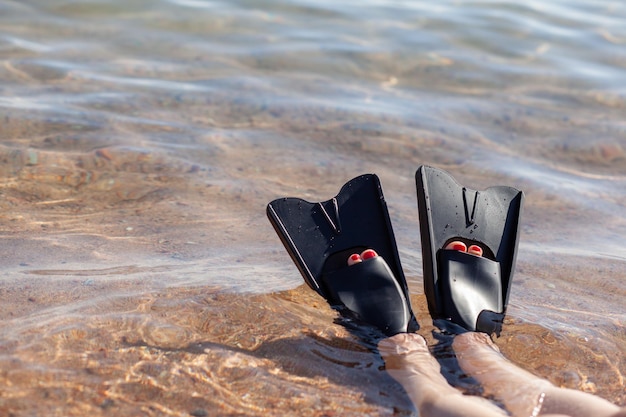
(141, 141)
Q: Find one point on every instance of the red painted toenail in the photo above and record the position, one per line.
(460, 246)
(475, 250)
(355, 258)
(368, 254)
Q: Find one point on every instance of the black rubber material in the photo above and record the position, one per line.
(370, 290)
(471, 291)
(320, 237)
(468, 286)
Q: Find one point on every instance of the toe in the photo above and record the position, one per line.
(457, 245)
(475, 250)
(355, 258)
(368, 254)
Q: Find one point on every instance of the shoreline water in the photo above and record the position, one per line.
(141, 141)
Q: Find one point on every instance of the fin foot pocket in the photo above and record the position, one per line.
(320, 238)
(370, 291)
(468, 285)
(471, 289)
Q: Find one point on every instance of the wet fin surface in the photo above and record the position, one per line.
(320, 236)
(471, 291)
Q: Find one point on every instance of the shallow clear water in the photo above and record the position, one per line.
(141, 140)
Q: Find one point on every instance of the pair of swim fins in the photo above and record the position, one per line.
(471, 291)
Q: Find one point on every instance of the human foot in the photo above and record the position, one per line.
(369, 290)
(470, 286)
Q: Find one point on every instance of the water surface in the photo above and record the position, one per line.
(141, 140)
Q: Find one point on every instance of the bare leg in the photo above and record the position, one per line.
(523, 393)
(408, 361)
(576, 403)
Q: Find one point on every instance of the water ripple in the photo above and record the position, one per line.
(141, 141)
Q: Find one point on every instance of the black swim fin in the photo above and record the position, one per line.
(321, 236)
(471, 291)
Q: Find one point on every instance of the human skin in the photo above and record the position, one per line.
(520, 391)
(408, 361)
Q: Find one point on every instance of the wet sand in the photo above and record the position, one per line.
(78, 347)
(131, 290)
(141, 141)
